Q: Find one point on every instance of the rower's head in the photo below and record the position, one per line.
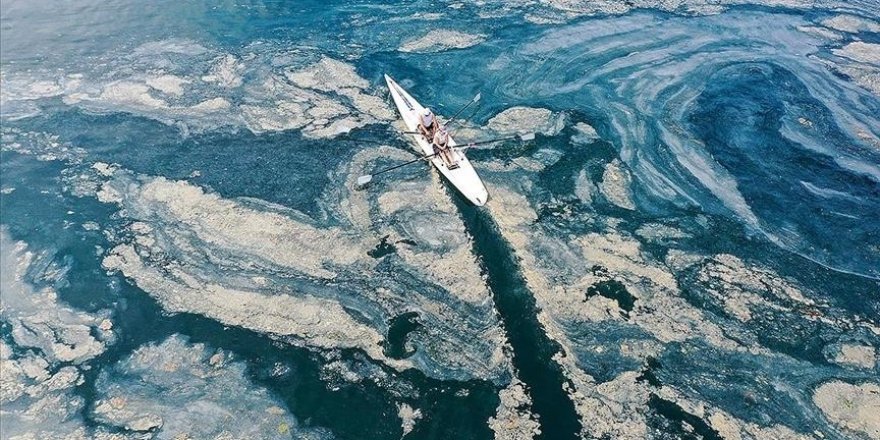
(442, 136)
(427, 117)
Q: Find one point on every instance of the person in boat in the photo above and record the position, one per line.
(441, 146)
(428, 124)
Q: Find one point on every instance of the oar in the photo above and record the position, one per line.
(367, 141)
(367, 178)
(522, 136)
(458, 121)
(476, 98)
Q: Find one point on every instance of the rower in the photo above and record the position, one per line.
(428, 124)
(441, 148)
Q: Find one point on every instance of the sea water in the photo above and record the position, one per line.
(689, 248)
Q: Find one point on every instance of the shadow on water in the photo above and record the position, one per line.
(533, 351)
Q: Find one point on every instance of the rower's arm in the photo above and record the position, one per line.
(423, 129)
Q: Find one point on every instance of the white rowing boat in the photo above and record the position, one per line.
(463, 176)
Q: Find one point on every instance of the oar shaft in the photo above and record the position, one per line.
(472, 144)
(366, 141)
(403, 164)
(369, 177)
(451, 120)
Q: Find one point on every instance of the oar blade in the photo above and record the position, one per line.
(526, 137)
(364, 180)
(477, 98)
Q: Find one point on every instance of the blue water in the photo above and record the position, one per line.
(753, 132)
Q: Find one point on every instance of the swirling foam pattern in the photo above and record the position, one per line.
(736, 112)
(690, 247)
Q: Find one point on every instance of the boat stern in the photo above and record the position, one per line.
(479, 198)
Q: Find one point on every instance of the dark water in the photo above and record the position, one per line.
(533, 351)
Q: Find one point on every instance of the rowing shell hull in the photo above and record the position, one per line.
(464, 178)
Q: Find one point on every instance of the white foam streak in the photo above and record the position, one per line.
(37, 317)
(177, 389)
(828, 193)
(323, 98)
(691, 155)
(527, 120)
(558, 271)
(853, 407)
(272, 270)
(439, 40)
(513, 419)
(37, 382)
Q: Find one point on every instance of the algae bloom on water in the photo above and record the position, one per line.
(681, 237)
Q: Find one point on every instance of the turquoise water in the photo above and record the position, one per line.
(688, 249)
